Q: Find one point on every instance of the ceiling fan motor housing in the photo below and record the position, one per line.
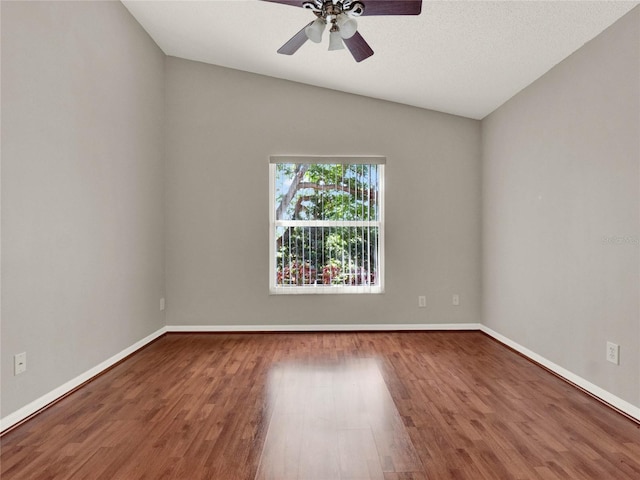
(328, 8)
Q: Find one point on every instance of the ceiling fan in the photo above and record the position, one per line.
(341, 15)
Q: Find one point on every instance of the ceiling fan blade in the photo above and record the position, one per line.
(358, 47)
(391, 7)
(294, 42)
(293, 3)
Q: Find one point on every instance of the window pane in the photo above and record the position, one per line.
(326, 192)
(326, 256)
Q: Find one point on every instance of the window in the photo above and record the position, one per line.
(326, 224)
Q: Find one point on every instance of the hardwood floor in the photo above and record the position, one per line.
(334, 420)
(330, 406)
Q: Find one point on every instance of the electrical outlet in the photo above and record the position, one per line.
(613, 353)
(455, 300)
(19, 363)
(162, 304)
(422, 301)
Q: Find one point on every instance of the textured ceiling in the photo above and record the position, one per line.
(461, 57)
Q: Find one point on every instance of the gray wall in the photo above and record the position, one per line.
(82, 190)
(221, 127)
(561, 212)
(84, 241)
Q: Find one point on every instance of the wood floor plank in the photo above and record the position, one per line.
(346, 423)
(359, 456)
(336, 406)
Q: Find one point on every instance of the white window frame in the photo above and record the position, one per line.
(274, 288)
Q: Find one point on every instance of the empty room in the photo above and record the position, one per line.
(320, 240)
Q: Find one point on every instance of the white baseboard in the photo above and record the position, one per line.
(593, 389)
(323, 328)
(62, 390)
(43, 401)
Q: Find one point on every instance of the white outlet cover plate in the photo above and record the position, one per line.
(613, 353)
(19, 363)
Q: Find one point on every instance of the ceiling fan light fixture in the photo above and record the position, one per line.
(348, 26)
(314, 31)
(344, 28)
(335, 40)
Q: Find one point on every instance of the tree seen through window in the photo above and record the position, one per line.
(327, 224)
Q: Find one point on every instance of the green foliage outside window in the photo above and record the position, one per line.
(338, 242)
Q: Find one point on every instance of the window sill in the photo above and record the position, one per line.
(327, 290)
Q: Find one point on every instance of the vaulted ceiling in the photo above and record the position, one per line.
(460, 57)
